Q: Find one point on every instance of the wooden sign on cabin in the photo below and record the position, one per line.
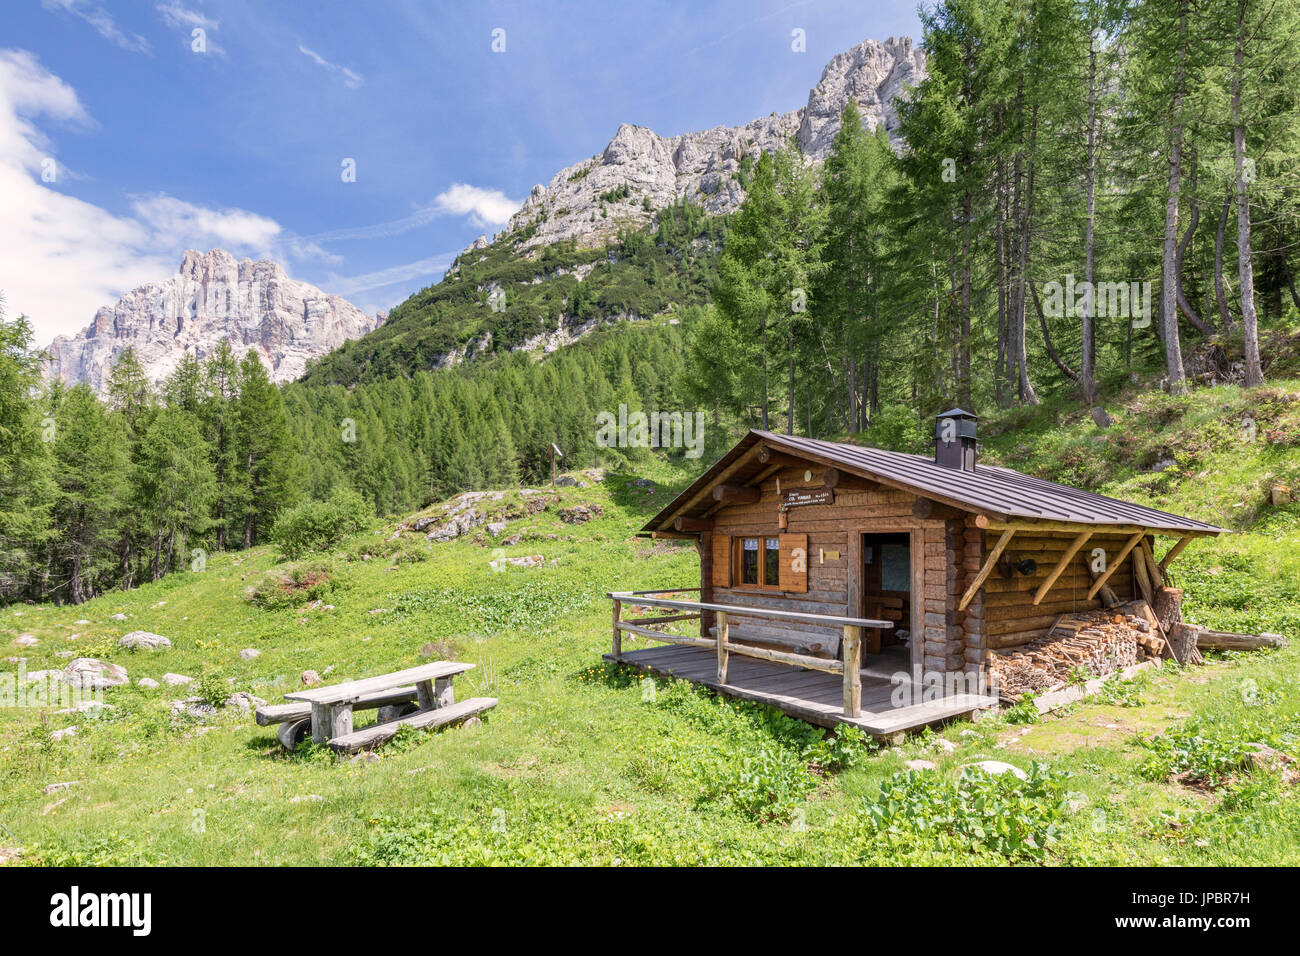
(810, 496)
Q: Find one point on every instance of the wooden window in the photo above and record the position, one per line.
(770, 563)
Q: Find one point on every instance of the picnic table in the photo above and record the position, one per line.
(420, 696)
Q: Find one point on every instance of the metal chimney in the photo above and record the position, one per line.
(954, 439)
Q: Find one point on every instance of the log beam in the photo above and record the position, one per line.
(989, 564)
(736, 494)
(692, 525)
(767, 456)
(1075, 545)
(1112, 566)
(986, 523)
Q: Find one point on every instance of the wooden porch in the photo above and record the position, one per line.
(822, 691)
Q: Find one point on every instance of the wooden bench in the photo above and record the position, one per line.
(329, 709)
(376, 734)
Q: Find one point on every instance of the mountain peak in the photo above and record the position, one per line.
(640, 171)
(213, 296)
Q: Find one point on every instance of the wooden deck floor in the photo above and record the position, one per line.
(814, 696)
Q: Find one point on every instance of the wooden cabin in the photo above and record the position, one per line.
(925, 562)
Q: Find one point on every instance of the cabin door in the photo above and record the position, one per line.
(887, 591)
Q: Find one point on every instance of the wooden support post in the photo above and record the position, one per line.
(617, 650)
(329, 721)
(1149, 559)
(1066, 558)
(443, 693)
(424, 695)
(1144, 582)
(1175, 551)
(852, 645)
(320, 723)
(1112, 566)
(992, 560)
(723, 656)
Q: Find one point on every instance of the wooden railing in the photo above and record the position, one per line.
(848, 665)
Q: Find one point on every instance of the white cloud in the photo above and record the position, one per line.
(485, 207)
(181, 18)
(102, 21)
(176, 222)
(62, 258)
(351, 79)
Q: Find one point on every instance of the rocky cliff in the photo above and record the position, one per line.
(641, 171)
(254, 305)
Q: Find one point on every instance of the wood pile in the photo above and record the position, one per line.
(1095, 643)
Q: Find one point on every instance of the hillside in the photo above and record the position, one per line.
(581, 763)
(494, 300)
(630, 233)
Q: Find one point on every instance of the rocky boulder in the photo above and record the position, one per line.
(143, 641)
(93, 674)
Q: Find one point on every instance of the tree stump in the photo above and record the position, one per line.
(1169, 608)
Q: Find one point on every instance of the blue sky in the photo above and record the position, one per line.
(121, 146)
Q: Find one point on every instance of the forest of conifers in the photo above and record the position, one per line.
(1145, 150)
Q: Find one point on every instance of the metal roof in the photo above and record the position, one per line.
(1000, 493)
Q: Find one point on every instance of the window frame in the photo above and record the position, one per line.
(738, 562)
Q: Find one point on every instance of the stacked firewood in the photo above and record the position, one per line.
(1091, 643)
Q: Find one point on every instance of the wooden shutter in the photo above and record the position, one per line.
(794, 562)
(721, 560)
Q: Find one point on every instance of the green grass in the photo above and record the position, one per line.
(586, 763)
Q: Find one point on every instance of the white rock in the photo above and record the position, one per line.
(996, 768)
(248, 653)
(26, 640)
(253, 305)
(65, 732)
(306, 798)
(244, 701)
(56, 787)
(920, 765)
(90, 673)
(119, 617)
(177, 680)
(143, 640)
(148, 683)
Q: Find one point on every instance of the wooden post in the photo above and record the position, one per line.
(618, 634)
(1080, 540)
(320, 723)
(992, 560)
(723, 656)
(424, 695)
(852, 645)
(1175, 551)
(443, 693)
(1113, 566)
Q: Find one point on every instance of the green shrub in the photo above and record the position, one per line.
(293, 584)
(321, 525)
(1198, 751)
(1016, 819)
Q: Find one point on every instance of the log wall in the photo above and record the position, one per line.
(1009, 613)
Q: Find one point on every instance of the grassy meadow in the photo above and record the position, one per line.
(585, 763)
